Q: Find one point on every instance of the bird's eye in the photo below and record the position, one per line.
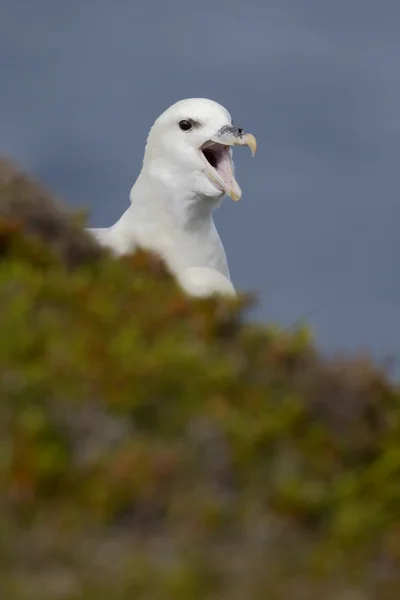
(185, 125)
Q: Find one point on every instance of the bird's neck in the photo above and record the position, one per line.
(164, 216)
(160, 194)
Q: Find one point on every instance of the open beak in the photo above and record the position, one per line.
(218, 154)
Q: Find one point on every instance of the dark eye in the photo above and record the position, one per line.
(185, 125)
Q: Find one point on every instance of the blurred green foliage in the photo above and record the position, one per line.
(155, 447)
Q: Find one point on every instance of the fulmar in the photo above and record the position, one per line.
(187, 169)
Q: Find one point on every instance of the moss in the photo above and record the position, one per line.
(158, 447)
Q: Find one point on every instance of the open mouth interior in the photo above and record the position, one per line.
(219, 158)
(215, 153)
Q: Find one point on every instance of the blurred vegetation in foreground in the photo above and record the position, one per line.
(154, 447)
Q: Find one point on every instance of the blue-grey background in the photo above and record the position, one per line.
(317, 81)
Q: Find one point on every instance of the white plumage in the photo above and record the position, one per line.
(187, 169)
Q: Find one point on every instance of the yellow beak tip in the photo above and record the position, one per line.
(234, 196)
(251, 142)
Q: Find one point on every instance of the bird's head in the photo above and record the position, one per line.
(192, 142)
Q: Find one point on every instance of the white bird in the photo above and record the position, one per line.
(187, 170)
